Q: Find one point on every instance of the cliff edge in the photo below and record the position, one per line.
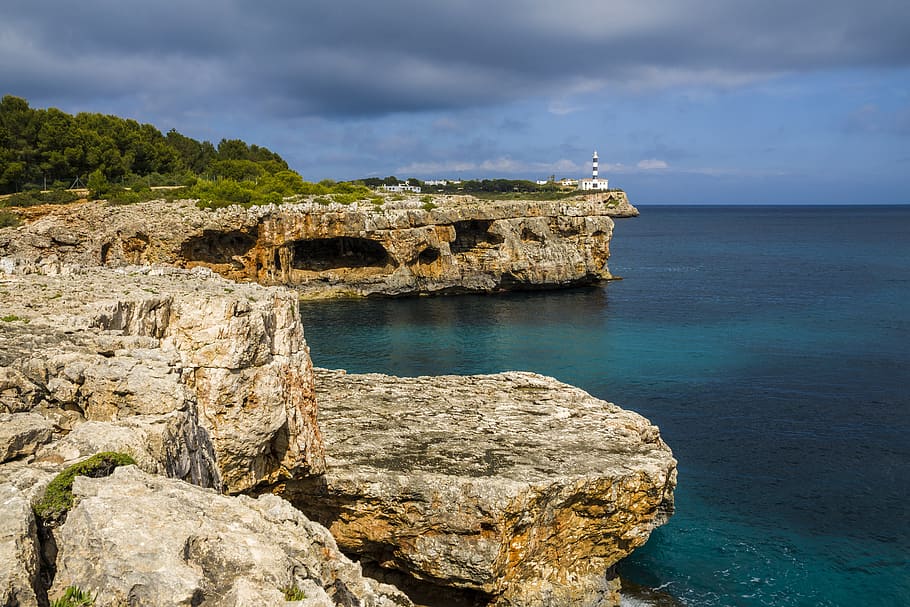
(456, 244)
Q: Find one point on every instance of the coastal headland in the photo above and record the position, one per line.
(402, 247)
(119, 336)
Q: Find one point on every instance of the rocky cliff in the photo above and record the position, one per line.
(398, 248)
(211, 381)
(514, 485)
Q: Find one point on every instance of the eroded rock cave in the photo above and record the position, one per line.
(320, 254)
(472, 234)
(216, 247)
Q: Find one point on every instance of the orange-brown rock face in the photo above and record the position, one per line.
(400, 248)
(514, 485)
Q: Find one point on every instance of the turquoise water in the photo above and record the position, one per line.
(772, 347)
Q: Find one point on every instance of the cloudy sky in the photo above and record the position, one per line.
(714, 101)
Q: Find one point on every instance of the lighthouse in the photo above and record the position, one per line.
(595, 183)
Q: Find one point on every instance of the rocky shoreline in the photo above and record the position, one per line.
(516, 487)
(456, 244)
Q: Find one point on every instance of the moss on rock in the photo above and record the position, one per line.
(58, 497)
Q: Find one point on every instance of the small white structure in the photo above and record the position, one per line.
(542, 182)
(595, 183)
(567, 181)
(402, 187)
(442, 182)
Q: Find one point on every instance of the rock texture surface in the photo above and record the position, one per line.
(196, 377)
(514, 484)
(19, 548)
(399, 248)
(139, 539)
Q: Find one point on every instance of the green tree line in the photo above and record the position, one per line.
(49, 148)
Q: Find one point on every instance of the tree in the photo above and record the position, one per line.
(98, 185)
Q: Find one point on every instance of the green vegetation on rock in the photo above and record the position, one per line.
(34, 197)
(74, 596)
(58, 497)
(293, 593)
(487, 189)
(273, 189)
(8, 220)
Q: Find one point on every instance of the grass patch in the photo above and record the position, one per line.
(428, 204)
(293, 593)
(74, 597)
(12, 318)
(58, 497)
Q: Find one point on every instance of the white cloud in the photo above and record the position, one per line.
(651, 164)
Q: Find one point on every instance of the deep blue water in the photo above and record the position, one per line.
(772, 347)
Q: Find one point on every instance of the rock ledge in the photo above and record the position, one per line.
(514, 484)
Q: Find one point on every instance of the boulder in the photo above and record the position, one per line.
(22, 433)
(140, 539)
(514, 484)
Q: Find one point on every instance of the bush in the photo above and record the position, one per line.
(8, 220)
(74, 597)
(98, 185)
(293, 593)
(123, 196)
(29, 199)
(58, 497)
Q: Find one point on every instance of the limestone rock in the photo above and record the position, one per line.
(19, 560)
(513, 484)
(21, 434)
(139, 539)
(400, 248)
(194, 376)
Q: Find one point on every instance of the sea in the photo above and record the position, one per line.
(771, 345)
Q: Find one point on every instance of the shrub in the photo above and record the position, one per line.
(74, 597)
(98, 185)
(293, 593)
(58, 497)
(123, 196)
(8, 220)
(28, 199)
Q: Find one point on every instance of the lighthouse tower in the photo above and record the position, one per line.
(595, 183)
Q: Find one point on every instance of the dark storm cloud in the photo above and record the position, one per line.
(291, 58)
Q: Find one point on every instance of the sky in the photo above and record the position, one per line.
(686, 101)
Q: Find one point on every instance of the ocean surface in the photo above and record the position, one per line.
(772, 347)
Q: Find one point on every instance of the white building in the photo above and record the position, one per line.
(402, 187)
(594, 183)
